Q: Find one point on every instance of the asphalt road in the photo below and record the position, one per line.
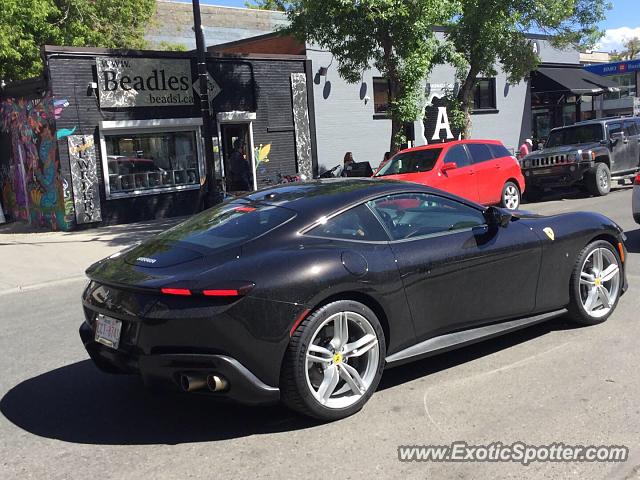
(63, 419)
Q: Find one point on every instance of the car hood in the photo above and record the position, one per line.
(562, 149)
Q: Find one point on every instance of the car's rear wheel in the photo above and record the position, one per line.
(510, 198)
(595, 283)
(334, 361)
(598, 181)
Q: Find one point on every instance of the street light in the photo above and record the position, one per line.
(211, 192)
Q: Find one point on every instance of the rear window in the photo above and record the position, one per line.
(411, 162)
(499, 151)
(228, 224)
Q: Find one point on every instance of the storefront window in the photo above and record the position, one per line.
(145, 161)
(627, 86)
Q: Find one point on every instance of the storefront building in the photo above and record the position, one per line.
(111, 136)
(626, 76)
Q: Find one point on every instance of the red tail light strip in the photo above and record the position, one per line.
(176, 291)
(220, 293)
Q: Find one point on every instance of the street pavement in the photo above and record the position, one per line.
(63, 419)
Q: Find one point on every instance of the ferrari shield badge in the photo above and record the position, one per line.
(549, 232)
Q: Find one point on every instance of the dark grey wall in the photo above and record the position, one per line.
(261, 86)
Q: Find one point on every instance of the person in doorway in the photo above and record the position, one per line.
(347, 164)
(239, 169)
(525, 148)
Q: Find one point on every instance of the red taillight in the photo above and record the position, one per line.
(176, 291)
(245, 209)
(637, 180)
(221, 293)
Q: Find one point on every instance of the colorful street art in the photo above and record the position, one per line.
(31, 181)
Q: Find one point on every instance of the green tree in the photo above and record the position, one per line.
(25, 25)
(267, 4)
(395, 37)
(631, 49)
(488, 32)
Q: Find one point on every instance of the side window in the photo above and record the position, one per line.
(458, 155)
(614, 128)
(630, 128)
(411, 215)
(479, 152)
(357, 223)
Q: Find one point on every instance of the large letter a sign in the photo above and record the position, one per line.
(442, 123)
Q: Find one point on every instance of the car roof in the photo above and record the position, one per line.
(602, 120)
(451, 143)
(320, 197)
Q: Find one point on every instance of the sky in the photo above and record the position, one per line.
(622, 22)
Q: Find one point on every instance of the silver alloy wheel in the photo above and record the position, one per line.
(599, 282)
(511, 197)
(603, 180)
(342, 360)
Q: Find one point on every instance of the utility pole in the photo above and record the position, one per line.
(211, 189)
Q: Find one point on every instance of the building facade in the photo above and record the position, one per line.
(112, 136)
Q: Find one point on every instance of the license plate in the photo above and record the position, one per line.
(108, 331)
(544, 171)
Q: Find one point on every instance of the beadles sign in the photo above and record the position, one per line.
(144, 82)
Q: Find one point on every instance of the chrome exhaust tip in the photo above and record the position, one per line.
(190, 383)
(217, 383)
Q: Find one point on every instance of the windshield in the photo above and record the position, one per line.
(575, 135)
(228, 224)
(411, 162)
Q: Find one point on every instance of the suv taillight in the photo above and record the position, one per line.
(637, 180)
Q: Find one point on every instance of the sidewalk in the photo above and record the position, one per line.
(31, 259)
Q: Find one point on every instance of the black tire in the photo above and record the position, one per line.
(532, 194)
(577, 311)
(598, 181)
(510, 194)
(295, 393)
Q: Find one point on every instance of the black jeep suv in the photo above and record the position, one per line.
(592, 153)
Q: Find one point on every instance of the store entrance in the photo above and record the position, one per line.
(236, 155)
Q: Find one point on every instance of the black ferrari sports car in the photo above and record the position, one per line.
(305, 292)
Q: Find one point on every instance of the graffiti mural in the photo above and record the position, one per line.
(31, 180)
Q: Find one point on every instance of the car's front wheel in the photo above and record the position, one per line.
(334, 361)
(595, 284)
(510, 198)
(598, 181)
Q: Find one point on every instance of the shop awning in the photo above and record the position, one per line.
(578, 81)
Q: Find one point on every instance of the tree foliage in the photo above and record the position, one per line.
(487, 32)
(25, 25)
(631, 49)
(395, 37)
(268, 4)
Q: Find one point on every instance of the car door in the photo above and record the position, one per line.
(633, 147)
(619, 147)
(456, 173)
(457, 271)
(488, 173)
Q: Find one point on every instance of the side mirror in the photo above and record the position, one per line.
(448, 166)
(497, 217)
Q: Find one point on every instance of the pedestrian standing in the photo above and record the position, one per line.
(525, 148)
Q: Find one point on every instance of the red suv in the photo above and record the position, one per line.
(481, 170)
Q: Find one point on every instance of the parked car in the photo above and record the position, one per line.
(635, 203)
(305, 292)
(593, 154)
(479, 170)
